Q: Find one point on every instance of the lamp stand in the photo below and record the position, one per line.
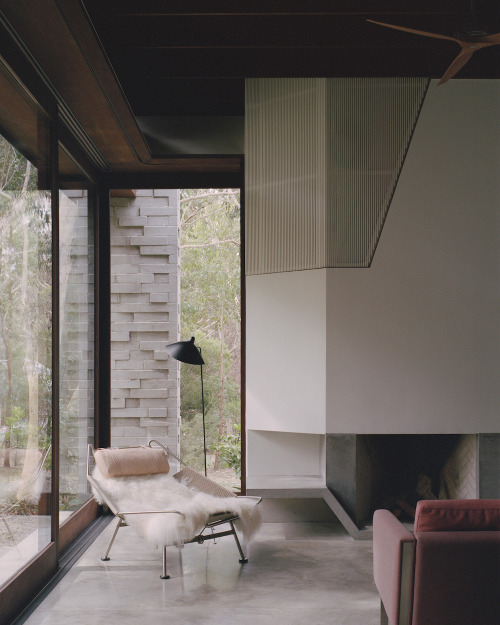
(188, 352)
(203, 416)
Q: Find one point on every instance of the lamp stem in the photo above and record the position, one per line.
(203, 415)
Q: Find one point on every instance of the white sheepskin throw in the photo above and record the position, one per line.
(164, 492)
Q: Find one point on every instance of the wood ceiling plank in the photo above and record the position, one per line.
(18, 119)
(301, 62)
(178, 96)
(281, 7)
(67, 64)
(191, 56)
(254, 31)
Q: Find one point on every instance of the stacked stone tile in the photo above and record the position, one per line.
(144, 318)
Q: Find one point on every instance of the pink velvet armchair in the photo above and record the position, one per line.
(445, 573)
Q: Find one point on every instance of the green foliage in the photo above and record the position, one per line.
(25, 295)
(13, 169)
(229, 448)
(211, 312)
(18, 427)
(191, 408)
(210, 264)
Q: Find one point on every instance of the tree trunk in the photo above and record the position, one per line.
(31, 351)
(8, 402)
(221, 393)
(8, 358)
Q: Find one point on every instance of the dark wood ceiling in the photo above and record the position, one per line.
(190, 57)
(112, 64)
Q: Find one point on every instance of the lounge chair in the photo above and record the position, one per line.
(164, 508)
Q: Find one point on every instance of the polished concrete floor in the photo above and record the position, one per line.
(298, 573)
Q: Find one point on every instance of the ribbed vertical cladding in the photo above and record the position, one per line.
(370, 124)
(285, 174)
(322, 160)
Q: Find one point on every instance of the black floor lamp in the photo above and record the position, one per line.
(188, 352)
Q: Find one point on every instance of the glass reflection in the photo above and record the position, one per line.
(25, 361)
(76, 406)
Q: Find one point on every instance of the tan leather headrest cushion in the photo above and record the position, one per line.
(131, 461)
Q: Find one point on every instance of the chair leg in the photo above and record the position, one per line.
(164, 564)
(243, 558)
(118, 525)
(384, 619)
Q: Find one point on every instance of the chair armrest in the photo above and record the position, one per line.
(254, 498)
(122, 513)
(393, 564)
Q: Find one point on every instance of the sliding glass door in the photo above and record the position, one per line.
(25, 361)
(47, 343)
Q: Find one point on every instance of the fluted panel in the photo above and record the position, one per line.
(370, 124)
(285, 134)
(322, 161)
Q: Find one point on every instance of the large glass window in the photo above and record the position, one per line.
(76, 300)
(47, 342)
(25, 361)
(176, 274)
(210, 303)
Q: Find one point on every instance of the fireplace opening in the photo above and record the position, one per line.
(408, 468)
(394, 471)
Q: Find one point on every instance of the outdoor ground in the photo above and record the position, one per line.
(226, 478)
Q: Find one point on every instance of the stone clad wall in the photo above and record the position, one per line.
(144, 318)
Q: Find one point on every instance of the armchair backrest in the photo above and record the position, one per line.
(457, 562)
(451, 515)
(448, 571)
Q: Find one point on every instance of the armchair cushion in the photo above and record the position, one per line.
(453, 515)
(131, 461)
(457, 578)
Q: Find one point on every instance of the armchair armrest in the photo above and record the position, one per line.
(393, 564)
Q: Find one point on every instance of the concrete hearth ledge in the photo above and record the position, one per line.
(285, 481)
(300, 487)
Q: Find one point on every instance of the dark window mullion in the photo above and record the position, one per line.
(54, 180)
(102, 319)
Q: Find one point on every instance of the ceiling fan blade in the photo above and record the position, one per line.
(415, 32)
(491, 39)
(457, 65)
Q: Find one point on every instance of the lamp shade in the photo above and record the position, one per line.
(185, 351)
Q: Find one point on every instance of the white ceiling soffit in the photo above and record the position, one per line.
(322, 159)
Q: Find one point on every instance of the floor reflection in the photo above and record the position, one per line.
(310, 573)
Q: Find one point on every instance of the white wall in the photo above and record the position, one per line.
(286, 378)
(283, 459)
(286, 352)
(410, 345)
(413, 341)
